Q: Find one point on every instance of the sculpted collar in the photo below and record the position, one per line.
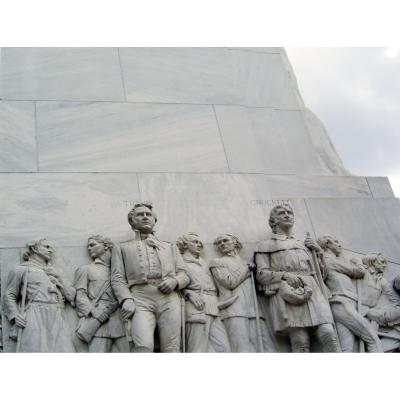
(150, 239)
(33, 263)
(276, 236)
(99, 261)
(188, 257)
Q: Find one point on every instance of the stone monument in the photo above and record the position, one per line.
(214, 137)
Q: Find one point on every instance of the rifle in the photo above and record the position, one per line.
(22, 307)
(253, 289)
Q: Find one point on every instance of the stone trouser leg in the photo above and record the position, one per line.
(100, 345)
(347, 315)
(218, 337)
(197, 337)
(299, 340)
(144, 319)
(121, 345)
(238, 329)
(143, 326)
(169, 322)
(327, 337)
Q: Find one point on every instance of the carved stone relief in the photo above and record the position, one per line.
(146, 295)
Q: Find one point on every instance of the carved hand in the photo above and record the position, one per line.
(167, 285)
(292, 279)
(312, 244)
(252, 267)
(196, 300)
(20, 321)
(377, 316)
(101, 315)
(128, 309)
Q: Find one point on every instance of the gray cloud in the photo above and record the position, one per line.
(356, 94)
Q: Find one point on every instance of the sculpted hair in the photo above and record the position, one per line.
(324, 240)
(182, 241)
(108, 244)
(131, 213)
(30, 247)
(273, 214)
(238, 243)
(370, 258)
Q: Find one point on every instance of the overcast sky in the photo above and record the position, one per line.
(356, 94)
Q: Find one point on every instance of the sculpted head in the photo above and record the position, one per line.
(228, 244)
(376, 261)
(190, 242)
(328, 242)
(281, 216)
(39, 249)
(98, 245)
(142, 217)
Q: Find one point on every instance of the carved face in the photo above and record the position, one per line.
(335, 246)
(194, 245)
(284, 217)
(143, 220)
(226, 244)
(95, 249)
(45, 250)
(380, 263)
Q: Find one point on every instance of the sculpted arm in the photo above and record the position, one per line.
(352, 270)
(181, 276)
(118, 276)
(265, 276)
(83, 303)
(225, 278)
(11, 294)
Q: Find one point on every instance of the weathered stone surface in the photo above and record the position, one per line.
(66, 209)
(17, 136)
(267, 50)
(257, 140)
(9, 258)
(323, 148)
(108, 137)
(208, 76)
(380, 186)
(212, 204)
(364, 225)
(61, 74)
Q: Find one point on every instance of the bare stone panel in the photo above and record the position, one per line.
(17, 137)
(363, 225)
(213, 204)
(206, 76)
(64, 208)
(380, 186)
(269, 141)
(123, 137)
(61, 74)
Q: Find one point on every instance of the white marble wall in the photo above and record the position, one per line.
(177, 109)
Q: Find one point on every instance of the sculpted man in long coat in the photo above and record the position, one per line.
(297, 306)
(145, 275)
(34, 302)
(232, 276)
(374, 288)
(350, 322)
(205, 331)
(100, 325)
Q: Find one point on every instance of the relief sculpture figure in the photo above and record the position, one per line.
(34, 300)
(350, 323)
(205, 331)
(380, 302)
(287, 276)
(146, 274)
(233, 279)
(100, 323)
